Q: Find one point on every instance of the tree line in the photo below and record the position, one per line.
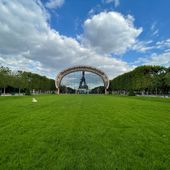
(24, 82)
(143, 80)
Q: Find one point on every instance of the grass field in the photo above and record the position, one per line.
(72, 132)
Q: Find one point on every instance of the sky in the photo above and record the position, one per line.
(47, 36)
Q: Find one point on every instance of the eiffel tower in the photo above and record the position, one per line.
(83, 84)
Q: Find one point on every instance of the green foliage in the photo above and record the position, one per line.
(131, 93)
(167, 79)
(65, 89)
(143, 78)
(4, 76)
(98, 90)
(27, 92)
(25, 80)
(72, 132)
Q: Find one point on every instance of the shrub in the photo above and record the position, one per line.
(131, 93)
(27, 92)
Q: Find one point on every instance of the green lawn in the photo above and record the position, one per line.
(72, 132)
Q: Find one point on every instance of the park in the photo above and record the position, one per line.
(84, 85)
(84, 132)
(71, 124)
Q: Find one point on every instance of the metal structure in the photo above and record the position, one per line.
(94, 70)
(83, 84)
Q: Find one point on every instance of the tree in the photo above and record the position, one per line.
(143, 79)
(4, 77)
(158, 79)
(25, 81)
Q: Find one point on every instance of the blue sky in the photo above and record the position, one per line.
(45, 36)
(150, 15)
(146, 14)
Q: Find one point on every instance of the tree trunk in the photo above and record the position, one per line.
(4, 90)
(19, 91)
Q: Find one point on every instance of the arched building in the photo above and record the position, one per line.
(83, 81)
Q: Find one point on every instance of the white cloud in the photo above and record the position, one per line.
(153, 26)
(27, 42)
(63, 52)
(163, 44)
(156, 59)
(143, 46)
(110, 32)
(154, 30)
(52, 4)
(116, 2)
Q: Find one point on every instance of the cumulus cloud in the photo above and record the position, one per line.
(27, 42)
(110, 32)
(52, 4)
(63, 52)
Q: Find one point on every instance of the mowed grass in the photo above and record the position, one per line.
(84, 132)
